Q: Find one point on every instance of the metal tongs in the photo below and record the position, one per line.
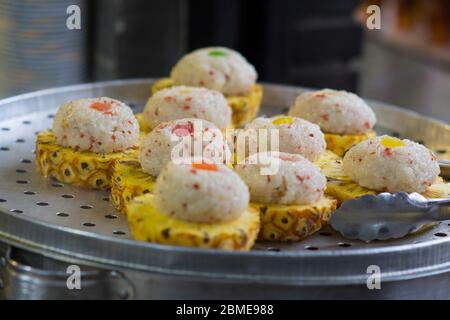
(386, 216)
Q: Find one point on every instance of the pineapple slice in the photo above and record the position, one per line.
(82, 169)
(331, 166)
(149, 225)
(161, 84)
(347, 190)
(143, 127)
(439, 189)
(128, 182)
(293, 222)
(339, 144)
(245, 108)
(341, 187)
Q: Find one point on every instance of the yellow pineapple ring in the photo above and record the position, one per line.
(147, 224)
(143, 126)
(439, 189)
(293, 222)
(80, 168)
(341, 187)
(128, 182)
(245, 108)
(330, 165)
(339, 144)
(347, 190)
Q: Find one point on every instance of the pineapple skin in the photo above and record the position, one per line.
(129, 181)
(79, 168)
(293, 222)
(245, 108)
(339, 144)
(147, 224)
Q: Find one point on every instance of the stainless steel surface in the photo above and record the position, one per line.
(38, 278)
(37, 47)
(402, 76)
(78, 226)
(29, 276)
(387, 216)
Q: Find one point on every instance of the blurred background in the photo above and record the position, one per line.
(300, 42)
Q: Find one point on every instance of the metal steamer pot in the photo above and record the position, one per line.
(42, 232)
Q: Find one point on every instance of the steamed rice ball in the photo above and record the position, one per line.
(216, 68)
(200, 192)
(101, 125)
(187, 102)
(295, 180)
(295, 135)
(186, 139)
(389, 164)
(338, 112)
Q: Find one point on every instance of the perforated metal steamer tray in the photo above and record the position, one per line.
(78, 225)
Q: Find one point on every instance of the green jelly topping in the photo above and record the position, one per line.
(216, 53)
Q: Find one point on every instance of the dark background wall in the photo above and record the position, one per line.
(311, 43)
(304, 42)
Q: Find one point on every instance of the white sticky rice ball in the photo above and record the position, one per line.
(339, 112)
(391, 165)
(295, 180)
(295, 135)
(209, 193)
(217, 68)
(185, 139)
(102, 125)
(181, 102)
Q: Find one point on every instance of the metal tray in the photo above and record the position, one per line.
(80, 226)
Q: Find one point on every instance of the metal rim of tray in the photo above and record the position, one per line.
(324, 267)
